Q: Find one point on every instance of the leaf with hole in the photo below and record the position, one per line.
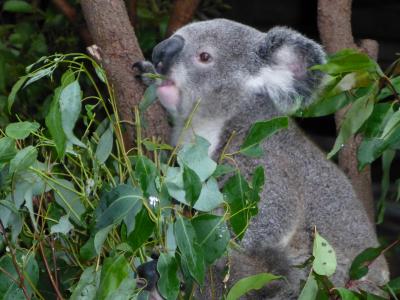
(324, 256)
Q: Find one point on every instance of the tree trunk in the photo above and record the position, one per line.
(334, 24)
(182, 13)
(109, 26)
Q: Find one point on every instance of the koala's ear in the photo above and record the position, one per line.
(285, 57)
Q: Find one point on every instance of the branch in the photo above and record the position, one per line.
(334, 24)
(14, 261)
(109, 25)
(46, 264)
(182, 13)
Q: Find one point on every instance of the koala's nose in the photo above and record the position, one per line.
(166, 51)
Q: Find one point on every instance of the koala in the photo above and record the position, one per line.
(240, 75)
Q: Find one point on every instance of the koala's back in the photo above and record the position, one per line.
(303, 190)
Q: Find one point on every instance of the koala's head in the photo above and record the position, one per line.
(225, 64)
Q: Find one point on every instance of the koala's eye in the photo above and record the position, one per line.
(204, 57)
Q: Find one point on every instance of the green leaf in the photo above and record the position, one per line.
(98, 241)
(235, 191)
(68, 198)
(356, 116)
(191, 252)
(156, 146)
(149, 97)
(347, 294)
(359, 267)
(213, 235)
(125, 291)
(144, 227)
(146, 172)
(70, 107)
(9, 290)
(24, 159)
(191, 184)
(392, 123)
(38, 75)
(64, 226)
(310, 289)
(324, 256)
(373, 127)
(262, 130)
(210, 196)
(387, 159)
(16, 87)
(7, 149)
(105, 145)
(87, 285)
(125, 198)
(114, 271)
(17, 6)
(254, 282)
(195, 156)
(223, 170)
(54, 124)
(21, 130)
(346, 61)
(100, 72)
(393, 285)
(168, 283)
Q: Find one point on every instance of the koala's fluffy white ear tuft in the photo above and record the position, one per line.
(286, 56)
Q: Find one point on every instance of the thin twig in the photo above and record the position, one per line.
(46, 264)
(14, 261)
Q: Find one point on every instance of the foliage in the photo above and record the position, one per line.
(73, 197)
(353, 78)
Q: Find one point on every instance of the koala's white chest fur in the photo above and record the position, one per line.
(211, 130)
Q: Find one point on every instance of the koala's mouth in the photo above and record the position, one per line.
(168, 94)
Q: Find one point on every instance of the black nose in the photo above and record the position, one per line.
(165, 53)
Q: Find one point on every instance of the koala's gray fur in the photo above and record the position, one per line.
(256, 76)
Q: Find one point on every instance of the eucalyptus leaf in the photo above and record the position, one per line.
(359, 267)
(236, 191)
(16, 87)
(324, 256)
(125, 198)
(356, 116)
(168, 283)
(310, 289)
(18, 6)
(144, 227)
(54, 124)
(261, 130)
(70, 108)
(191, 251)
(114, 271)
(254, 282)
(87, 285)
(105, 145)
(346, 61)
(195, 156)
(23, 159)
(347, 294)
(146, 172)
(21, 130)
(191, 184)
(7, 149)
(64, 226)
(149, 97)
(213, 235)
(68, 198)
(210, 196)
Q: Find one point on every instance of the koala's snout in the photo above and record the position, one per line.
(166, 51)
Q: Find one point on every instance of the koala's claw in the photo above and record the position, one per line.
(144, 67)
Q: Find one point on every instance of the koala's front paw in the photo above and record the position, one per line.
(145, 68)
